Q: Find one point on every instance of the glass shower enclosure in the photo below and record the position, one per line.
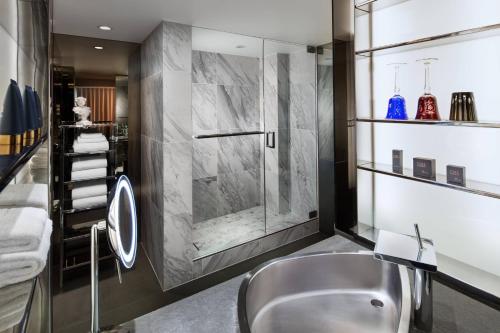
(255, 142)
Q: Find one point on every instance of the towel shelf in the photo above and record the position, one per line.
(85, 263)
(77, 240)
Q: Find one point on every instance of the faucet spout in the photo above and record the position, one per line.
(418, 254)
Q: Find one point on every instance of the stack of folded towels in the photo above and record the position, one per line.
(38, 166)
(88, 195)
(90, 142)
(25, 232)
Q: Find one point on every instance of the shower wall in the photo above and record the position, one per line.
(226, 170)
(166, 141)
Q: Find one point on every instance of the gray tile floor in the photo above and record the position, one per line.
(226, 231)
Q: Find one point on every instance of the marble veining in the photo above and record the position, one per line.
(303, 106)
(205, 199)
(152, 106)
(237, 70)
(177, 178)
(238, 190)
(151, 53)
(238, 107)
(204, 108)
(238, 153)
(303, 153)
(177, 121)
(204, 67)
(177, 47)
(325, 114)
(205, 158)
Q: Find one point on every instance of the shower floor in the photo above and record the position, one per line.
(226, 231)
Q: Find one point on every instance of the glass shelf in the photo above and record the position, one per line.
(11, 164)
(431, 122)
(81, 210)
(367, 6)
(474, 187)
(448, 38)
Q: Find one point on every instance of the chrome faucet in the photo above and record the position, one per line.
(418, 254)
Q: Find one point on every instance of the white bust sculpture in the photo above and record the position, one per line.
(82, 111)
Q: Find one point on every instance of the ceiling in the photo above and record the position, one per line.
(298, 21)
(79, 53)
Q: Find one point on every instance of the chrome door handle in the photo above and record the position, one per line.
(270, 140)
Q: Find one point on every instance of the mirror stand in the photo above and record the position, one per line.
(94, 281)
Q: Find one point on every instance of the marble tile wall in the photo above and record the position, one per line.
(303, 134)
(225, 98)
(166, 138)
(277, 118)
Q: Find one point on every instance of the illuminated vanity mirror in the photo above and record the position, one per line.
(121, 230)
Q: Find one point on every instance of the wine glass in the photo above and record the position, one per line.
(397, 103)
(427, 103)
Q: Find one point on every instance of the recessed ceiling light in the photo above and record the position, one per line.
(98, 47)
(105, 27)
(240, 46)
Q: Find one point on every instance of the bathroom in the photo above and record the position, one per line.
(266, 157)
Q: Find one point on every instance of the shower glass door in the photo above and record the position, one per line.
(290, 120)
(228, 186)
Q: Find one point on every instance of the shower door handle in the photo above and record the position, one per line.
(270, 140)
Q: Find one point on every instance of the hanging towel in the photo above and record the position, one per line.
(88, 174)
(88, 191)
(21, 229)
(13, 302)
(25, 195)
(91, 202)
(39, 113)
(30, 108)
(89, 147)
(22, 266)
(90, 135)
(12, 123)
(85, 163)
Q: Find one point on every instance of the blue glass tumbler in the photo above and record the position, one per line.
(397, 103)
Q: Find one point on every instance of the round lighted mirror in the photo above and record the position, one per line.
(122, 222)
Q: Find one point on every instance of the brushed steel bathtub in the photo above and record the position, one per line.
(325, 292)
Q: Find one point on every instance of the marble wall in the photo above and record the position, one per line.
(277, 119)
(303, 134)
(166, 141)
(225, 98)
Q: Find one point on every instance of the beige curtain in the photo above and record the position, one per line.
(102, 101)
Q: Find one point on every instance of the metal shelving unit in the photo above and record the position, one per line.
(474, 187)
(366, 233)
(431, 122)
(66, 155)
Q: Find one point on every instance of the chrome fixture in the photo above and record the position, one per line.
(418, 254)
(121, 230)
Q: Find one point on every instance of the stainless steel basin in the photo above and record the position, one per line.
(325, 292)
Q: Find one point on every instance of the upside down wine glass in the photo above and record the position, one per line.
(397, 103)
(427, 103)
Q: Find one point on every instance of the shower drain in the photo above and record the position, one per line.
(377, 303)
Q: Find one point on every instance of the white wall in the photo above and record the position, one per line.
(465, 226)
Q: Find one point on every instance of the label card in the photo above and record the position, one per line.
(397, 161)
(424, 168)
(455, 175)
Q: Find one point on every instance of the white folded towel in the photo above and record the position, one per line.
(21, 229)
(13, 302)
(25, 195)
(91, 139)
(21, 266)
(84, 163)
(88, 174)
(80, 192)
(91, 202)
(90, 135)
(88, 147)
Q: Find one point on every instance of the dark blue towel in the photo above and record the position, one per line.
(39, 117)
(30, 108)
(12, 119)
